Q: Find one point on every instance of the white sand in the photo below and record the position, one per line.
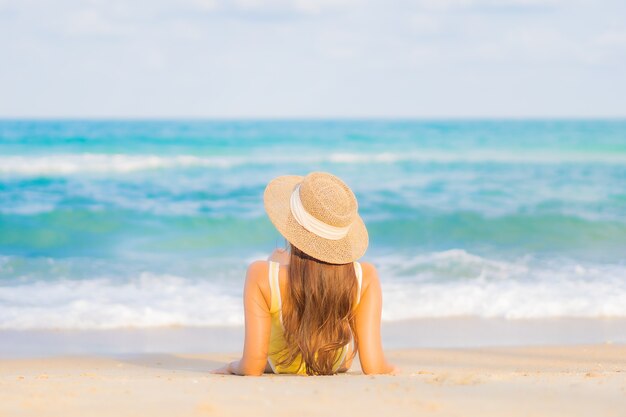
(532, 381)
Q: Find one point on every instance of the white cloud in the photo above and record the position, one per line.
(449, 5)
(319, 6)
(206, 5)
(426, 23)
(93, 22)
(613, 38)
(184, 29)
(6, 6)
(310, 57)
(304, 7)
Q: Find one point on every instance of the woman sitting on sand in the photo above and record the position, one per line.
(310, 309)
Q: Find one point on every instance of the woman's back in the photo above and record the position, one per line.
(278, 280)
(309, 310)
(258, 305)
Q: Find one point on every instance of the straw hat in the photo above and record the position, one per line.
(318, 215)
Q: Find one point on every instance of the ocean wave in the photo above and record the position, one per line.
(69, 164)
(65, 232)
(458, 283)
(507, 299)
(149, 300)
(430, 285)
(104, 163)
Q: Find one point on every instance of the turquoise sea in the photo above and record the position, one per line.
(151, 223)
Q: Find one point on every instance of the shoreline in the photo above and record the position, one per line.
(462, 332)
(555, 381)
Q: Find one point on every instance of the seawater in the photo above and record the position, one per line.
(152, 223)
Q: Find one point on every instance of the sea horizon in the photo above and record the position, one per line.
(307, 118)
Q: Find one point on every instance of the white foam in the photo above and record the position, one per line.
(103, 163)
(147, 301)
(68, 164)
(440, 284)
(508, 299)
(457, 283)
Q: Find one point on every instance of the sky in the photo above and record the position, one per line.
(312, 58)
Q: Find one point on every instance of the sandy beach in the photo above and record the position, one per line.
(521, 381)
(441, 182)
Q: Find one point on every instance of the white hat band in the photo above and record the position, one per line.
(311, 223)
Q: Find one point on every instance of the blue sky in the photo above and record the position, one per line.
(312, 58)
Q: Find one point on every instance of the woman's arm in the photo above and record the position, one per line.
(368, 325)
(258, 322)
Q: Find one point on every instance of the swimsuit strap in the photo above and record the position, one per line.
(358, 271)
(359, 277)
(275, 300)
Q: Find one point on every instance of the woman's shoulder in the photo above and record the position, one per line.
(258, 273)
(370, 273)
(368, 267)
(258, 267)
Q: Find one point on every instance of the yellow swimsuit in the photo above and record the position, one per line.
(277, 337)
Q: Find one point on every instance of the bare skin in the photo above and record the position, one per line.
(258, 321)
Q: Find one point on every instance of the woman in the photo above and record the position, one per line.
(310, 309)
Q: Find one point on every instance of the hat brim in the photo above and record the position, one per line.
(277, 205)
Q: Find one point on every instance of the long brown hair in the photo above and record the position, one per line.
(318, 312)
